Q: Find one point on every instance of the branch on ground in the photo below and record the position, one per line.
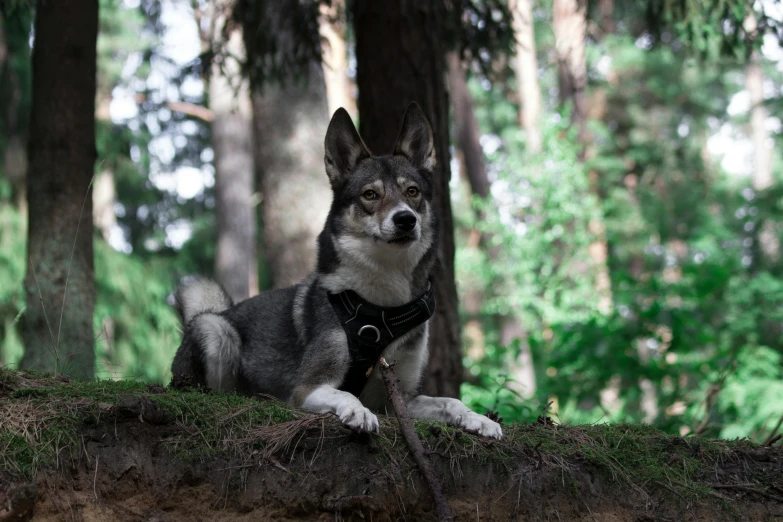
(415, 445)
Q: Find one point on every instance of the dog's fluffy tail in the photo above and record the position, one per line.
(197, 295)
(210, 339)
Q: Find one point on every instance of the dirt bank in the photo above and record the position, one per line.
(128, 452)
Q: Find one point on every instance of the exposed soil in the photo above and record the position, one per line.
(98, 452)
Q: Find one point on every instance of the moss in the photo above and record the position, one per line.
(18, 455)
(8, 377)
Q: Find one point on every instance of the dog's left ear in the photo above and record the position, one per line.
(415, 140)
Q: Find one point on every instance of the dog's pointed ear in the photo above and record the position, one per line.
(415, 140)
(344, 147)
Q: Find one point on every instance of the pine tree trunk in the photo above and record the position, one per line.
(400, 59)
(569, 21)
(236, 264)
(57, 326)
(339, 87)
(606, 16)
(768, 242)
(290, 117)
(526, 69)
(569, 24)
(467, 127)
(289, 123)
(762, 165)
(104, 193)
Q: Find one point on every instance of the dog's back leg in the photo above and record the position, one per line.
(184, 371)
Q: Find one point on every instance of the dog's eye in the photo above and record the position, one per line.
(370, 194)
(413, 192)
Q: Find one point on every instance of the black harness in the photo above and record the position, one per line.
(370, 329)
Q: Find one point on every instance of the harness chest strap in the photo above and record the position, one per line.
(371, 328)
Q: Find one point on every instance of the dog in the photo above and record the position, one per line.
(317, 344)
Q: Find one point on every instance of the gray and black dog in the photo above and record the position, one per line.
(316, 344)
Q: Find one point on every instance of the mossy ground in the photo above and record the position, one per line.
(42, 420)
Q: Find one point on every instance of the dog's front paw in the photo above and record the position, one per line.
(484, 426)
(359, 418)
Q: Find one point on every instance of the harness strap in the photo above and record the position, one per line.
(370, 329)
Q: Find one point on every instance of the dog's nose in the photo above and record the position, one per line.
(404, 220)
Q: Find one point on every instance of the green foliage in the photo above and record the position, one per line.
(138, 331)
(13, 230)
(693, 341)
(119, 35)
(710, 30)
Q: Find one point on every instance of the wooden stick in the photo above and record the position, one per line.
(409, 433)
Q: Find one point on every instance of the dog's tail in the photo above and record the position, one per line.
(210, 339)
(197, 295)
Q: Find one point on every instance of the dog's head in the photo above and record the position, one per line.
(382, 204)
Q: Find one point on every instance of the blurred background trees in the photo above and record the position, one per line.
(609, 181)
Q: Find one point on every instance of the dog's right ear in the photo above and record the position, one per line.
(344, 147)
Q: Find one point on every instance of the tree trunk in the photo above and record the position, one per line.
(400, 59)
(762, 165)
(526, 69)
(290, 118)
(104, 193)
(471, 166)
(769, 244)
(104, 197)
(606, 16)
(236, 264)
(569, 23)
(289, 123)
(57, 326)
(467, 127)
(339, 87)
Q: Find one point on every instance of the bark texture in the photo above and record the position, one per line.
(569, 23)
(762, 164)
(104, 192)
(526, 70)
(236, 265)
(57, 325)
(468, 133)
(339, 86)
(400, 59)
(606, 16)
(289, 123)
(768, 242)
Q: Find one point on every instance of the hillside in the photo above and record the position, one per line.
(127, 451)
